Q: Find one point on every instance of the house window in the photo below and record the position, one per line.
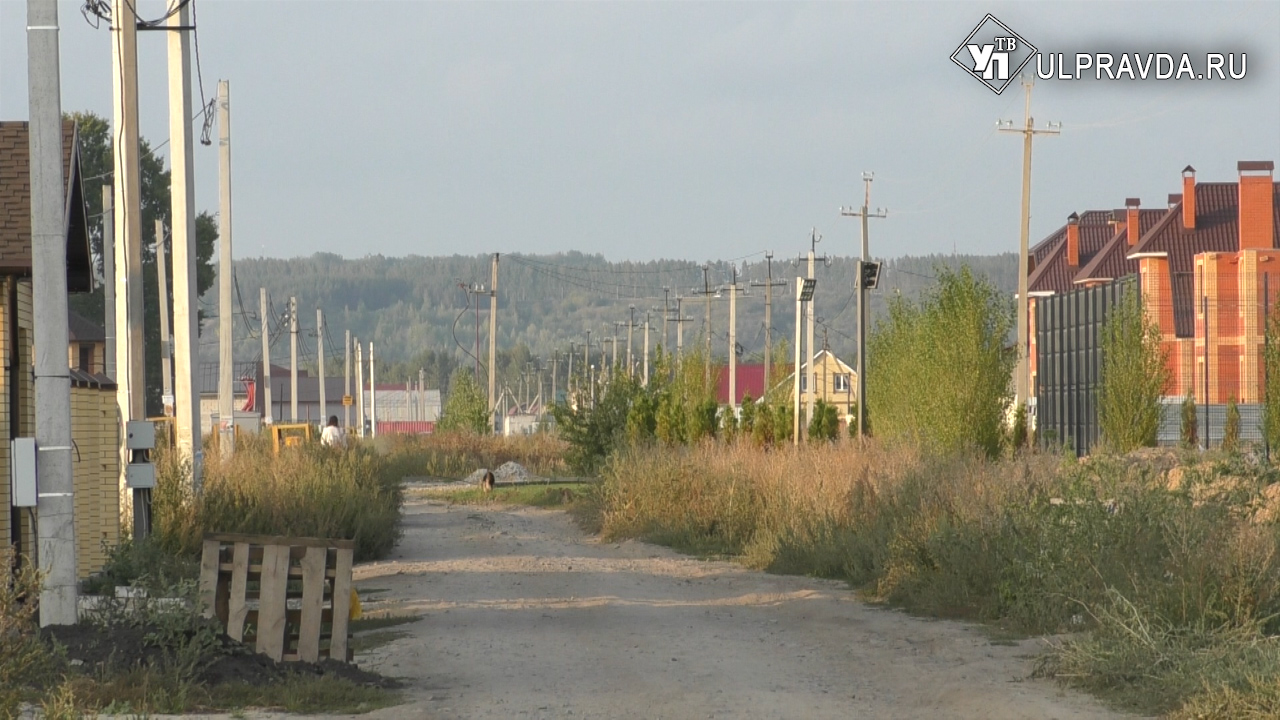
(86, 358)
(804, 382)
(842, 382)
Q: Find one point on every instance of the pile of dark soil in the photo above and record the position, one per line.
(120, 648)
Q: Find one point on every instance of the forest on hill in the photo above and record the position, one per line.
(421, 311)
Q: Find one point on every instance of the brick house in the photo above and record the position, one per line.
(94, 425)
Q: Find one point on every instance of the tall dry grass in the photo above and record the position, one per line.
(458, 454)
(1165, 572)
(308, 491)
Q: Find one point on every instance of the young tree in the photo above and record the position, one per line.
(1190, 423)
(942, 365)
(1271, 381)
(1134, 374)
(467, 407)
(1231, 431)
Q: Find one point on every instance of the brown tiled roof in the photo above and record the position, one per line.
(1051, 272)
(82, 329)
(1217, 230)
(1112, 262)
(15, 205)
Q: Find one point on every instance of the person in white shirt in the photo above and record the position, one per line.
(333, 435)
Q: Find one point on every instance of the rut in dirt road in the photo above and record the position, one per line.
(525, 616)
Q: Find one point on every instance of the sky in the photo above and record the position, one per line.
(685, 130)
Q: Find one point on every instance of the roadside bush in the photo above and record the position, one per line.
(1190, 423)
(23, 658)
(466, 409)
(1231, 430)
(1132, 378)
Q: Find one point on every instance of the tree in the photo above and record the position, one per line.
(1133, 376)
(825, 423)
(1190, 423)
(1271, 380)
(467, 407)
(96, 163)
(1231, 430)
(942, 365)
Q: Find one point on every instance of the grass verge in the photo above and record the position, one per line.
(561, 495)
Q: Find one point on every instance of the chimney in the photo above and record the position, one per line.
(1132, 227)
(1189, 198)
(1073, 240)
(1257, 205)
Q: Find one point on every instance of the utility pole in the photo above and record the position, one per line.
(795, 395)
(1028, 131)
(127, 206)
(293, 359)
(569, 375)
(706, 292)
(226, 393)
(631, 324)
(645, 376)
(810, 374)
(182, 229)
(733, 341)
(266, 357)
(324, 408)
(359, 386)
(493, 343)
(666, 313)
(680, 321)
(555, 361)
(864, 304)
(373, 394)
(586, 359)
(162, 280)
(614, 364)
(422, 393)
(346, 379)
(768, 286)
(108, 283)
(56, 503)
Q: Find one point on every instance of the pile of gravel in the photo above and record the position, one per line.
(511, 472)
(475, 477)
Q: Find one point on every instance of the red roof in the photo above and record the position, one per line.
(1051, 272)
(1112, 262)
(750, 379)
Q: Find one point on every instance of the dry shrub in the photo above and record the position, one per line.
(24, 660)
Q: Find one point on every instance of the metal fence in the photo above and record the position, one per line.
(1170, 432)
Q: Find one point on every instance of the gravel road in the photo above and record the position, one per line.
(525, 616)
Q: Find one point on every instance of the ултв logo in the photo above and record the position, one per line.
(993, 54)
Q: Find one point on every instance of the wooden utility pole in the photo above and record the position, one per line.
(324, 408)
(182, 229)
(768, 286)
(864, 302)
(373, 394)
(162, 280)
(108, 283)
(127, 204)
(55, 501)
(266, 357)
(346, 379)
(1028, 131)
(293, 359)
(493, 342)
(226, 393)
(359, 386)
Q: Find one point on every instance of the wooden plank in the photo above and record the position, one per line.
(255, 569)
(209, 568)
(271, 601)
(237, 608)
(265, 540)
(312, 603)
(341, 604)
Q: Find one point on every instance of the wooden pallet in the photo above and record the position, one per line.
(290, 596)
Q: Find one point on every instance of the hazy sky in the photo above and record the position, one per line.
(685, 130)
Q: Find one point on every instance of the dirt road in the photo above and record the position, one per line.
(527, 617)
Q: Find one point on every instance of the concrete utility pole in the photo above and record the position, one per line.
(346, 379)
(864, 303)
(666, 313)
(680, 321)
(810, 372)
(733, 341)
(109, 282)
(293, 359)
(373, 394)
(493, 342)
(555, 367)
(1028, 131)
(226, 393)
(162, 280)
(359, 386)
(324, 408)
(422, 393)
(645, 376)
(768, 286)
(266, 357)
(631, 324)
(795, 395)
(182, 193)
(55, 503)
(706, 292)
(127, 204)
(614, 364)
